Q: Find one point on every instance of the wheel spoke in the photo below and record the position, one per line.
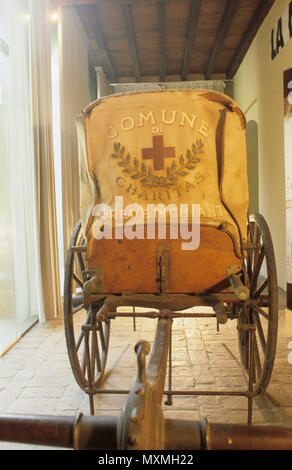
(81, 334)
(252, 232)
(251, 364)
(79, 340)
(81, 265)
(98, 361)
(101, 335)
(256, 241)
(87, 357)
(260, 311)
(257, 359)
(84, 360)
(249, 253)
(246, 349)
(260, 331)
(77, 279)
(257, 268)
(93, 352)
(77, 309)
(261, 288)
(249, 263)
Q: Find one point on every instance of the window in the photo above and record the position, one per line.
(20, 299)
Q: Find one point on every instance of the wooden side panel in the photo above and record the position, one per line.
(131, 265)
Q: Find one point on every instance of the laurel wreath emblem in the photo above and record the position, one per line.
(145, 174)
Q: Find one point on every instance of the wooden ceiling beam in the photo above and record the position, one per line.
(66, 3)
(257, 20)
(129, 25)
(162, 44)
(227, 19)
(57, 3)
(89, 17)
(191, 35)
(101, 55)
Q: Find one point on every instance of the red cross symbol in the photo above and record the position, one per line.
(158, 152)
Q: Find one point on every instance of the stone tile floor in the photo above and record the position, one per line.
(36, 378)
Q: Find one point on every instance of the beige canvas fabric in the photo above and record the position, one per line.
(174, 146)
(86, 184)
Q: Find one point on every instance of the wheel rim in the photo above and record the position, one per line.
(263, 308)
(87, 338)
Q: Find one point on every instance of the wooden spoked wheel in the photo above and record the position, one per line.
(87, 338)
(262, 310)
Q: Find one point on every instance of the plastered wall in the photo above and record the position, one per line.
(258, 90)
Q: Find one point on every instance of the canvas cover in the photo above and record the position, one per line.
(170, 146)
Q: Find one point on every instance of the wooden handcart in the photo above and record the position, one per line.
(184, 148)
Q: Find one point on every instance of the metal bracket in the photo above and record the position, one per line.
(232, 269)
(95, 284)
(240, 290)
(251, 246)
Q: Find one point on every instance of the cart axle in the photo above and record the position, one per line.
(101, 433)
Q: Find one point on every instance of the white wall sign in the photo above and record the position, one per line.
(288, 169)
(282, 32)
